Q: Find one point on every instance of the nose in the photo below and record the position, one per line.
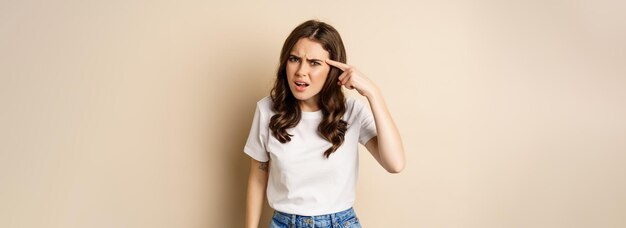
(302, 69)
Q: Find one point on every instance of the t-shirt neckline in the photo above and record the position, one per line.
(312, 115)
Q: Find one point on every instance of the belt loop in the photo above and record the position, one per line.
(293, 220)
(333, 220)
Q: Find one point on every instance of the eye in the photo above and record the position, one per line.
(315, 63)
(292, 59)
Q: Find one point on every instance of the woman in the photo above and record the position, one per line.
(304, 136)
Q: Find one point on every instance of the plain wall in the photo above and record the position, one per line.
(135, 113)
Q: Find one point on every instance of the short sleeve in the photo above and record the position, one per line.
(257, 139)
(368, 125)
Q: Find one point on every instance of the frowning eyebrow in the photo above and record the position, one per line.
(310, 60)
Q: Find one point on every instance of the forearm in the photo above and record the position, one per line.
(255, 197)
(390, 147)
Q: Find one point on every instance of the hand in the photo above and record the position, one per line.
(351, 78)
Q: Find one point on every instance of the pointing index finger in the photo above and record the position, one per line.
(339, 65)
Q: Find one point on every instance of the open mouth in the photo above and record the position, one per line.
(301, 86)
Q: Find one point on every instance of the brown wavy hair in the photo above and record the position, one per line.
(331, 98)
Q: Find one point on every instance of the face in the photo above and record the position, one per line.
(307, 71)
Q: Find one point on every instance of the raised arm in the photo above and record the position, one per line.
(386, 147)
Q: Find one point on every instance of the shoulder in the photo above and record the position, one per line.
(354, 103)
(266, 101)
(265, 105)
(355, 109)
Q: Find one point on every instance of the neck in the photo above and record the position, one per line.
(309, 105)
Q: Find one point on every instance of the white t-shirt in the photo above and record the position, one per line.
(301, 179)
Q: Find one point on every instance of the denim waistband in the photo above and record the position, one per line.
(334, 217)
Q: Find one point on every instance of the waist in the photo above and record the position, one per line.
(345, 214)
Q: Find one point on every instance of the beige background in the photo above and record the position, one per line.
(134, 114)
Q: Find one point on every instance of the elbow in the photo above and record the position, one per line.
(396, 168)
(395, 161)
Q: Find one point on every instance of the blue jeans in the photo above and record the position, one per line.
(343, 219)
